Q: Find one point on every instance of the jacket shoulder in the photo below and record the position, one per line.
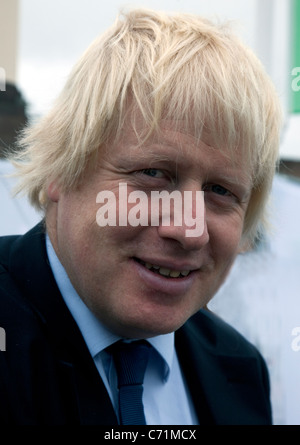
(17, 313)
(11, 300)
(6, 244)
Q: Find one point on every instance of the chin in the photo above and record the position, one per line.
(147, 328)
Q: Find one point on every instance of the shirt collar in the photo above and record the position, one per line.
(95, 334)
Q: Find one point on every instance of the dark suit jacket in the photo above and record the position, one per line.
(47, 375)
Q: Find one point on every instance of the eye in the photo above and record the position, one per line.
(153, 172)
(220, 190)
(217, 194)
(217, 189)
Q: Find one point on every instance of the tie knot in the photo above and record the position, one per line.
(131, 361)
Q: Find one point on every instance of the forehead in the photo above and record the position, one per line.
(173, 142)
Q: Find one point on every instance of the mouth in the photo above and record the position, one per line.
(163, 271)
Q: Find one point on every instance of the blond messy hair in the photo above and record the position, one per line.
(179, 66)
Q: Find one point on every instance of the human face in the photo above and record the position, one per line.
(107, 265)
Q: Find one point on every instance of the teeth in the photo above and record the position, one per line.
(185, 273)
(166, 272)
(174, 273)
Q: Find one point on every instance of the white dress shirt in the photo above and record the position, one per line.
(166, 398)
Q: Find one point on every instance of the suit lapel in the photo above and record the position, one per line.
(192, 369)
(30, 267)
(221, 381)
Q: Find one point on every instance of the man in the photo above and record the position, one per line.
(157, 104)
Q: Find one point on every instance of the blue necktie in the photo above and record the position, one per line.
(131, 361)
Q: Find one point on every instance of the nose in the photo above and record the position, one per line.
(187, 222)
(178, 234)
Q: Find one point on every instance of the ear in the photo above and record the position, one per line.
(245, 246)
(53, 192)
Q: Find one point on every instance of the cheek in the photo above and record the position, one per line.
(77, 212)
(225, 238)
(76, 224)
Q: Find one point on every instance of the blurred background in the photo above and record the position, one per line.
(40, 40)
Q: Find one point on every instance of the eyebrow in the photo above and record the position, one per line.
(150, 155)
(233, 176)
